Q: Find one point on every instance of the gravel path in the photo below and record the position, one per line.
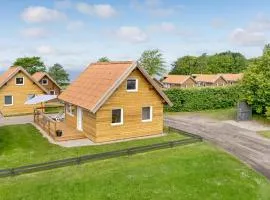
(240, 139)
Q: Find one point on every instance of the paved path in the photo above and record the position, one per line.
(240, 139)
(16, 120)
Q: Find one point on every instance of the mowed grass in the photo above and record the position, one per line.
(24, 145)
(197, 171)
(265, 134)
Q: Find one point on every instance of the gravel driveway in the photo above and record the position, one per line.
(238, 138)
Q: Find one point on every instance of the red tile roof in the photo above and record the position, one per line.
(176, 79)
(208, 78)
(98, 82)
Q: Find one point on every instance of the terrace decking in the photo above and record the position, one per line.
(50, 126)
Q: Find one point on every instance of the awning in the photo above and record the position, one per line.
(40, 99)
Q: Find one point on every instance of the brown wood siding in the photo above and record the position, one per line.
(220, 82)
(20, 94)
(89, 124)
(51, 86)
(189, 83)
(132, 103)
(71, 120)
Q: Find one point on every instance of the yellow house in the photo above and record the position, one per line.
(16, 87)
(114, 100)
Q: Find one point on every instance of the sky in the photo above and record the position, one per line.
(76, 33)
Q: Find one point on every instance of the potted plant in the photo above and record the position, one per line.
(59, 133)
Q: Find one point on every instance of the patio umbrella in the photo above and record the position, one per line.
(40, 99)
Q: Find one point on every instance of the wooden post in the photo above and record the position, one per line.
(49, 125)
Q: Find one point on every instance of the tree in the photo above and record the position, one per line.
(31, 64)
(153, 62)
(58, 73)
(185, 65)
(256, 84)
(104, 59)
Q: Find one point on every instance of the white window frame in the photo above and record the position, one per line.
(151, 114)
(122, 117)
(44, 83)
(53, 92)
(12, 99)
(68, 109)
(16, 80)
(137, 84)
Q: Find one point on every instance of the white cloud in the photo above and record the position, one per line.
(167, 27)
(131, 34)
(36, 32)
(98, 10)
(75, 25)
(62, 4)
(245, 37)
(38, 14)
(45, 50)
(261, 23)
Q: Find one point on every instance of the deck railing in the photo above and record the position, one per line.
(45, 122)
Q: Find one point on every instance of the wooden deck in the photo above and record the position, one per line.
(50, 126)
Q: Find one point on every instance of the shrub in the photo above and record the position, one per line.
(195, 99)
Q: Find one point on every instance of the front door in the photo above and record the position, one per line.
(79, 119)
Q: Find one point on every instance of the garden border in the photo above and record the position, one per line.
(100, 156)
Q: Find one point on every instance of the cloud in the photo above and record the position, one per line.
(167, 27)
(62, 4)
(36, 32)
(260, 23)
(244, 37)
(155, 7)
(38, 14)
(75, 25)
(98, 10)
(45, 50)
(131, 34)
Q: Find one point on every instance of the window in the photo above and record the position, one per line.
(8, 100)
(147, 114)
(70, 109)
(132, 85)
(44, 81)
(117, 116)
(52, 92)
(30, 96)
(19, 81)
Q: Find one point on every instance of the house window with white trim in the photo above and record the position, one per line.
(8, 100)
(132, 85)
(52, 92)
(117, 116)
(19, 81)
(44, 81)
(147, 113)
(70, 109)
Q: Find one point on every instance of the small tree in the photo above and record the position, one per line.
(104, 59)
(58, 73)
(256, 84)
(31, 64)
(152, 61)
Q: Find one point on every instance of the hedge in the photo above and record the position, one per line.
(196, 99)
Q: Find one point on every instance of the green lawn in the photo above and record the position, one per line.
(265, 134)
(197, 171)
(23, 144)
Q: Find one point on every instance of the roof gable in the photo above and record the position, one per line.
(99, 81)
(40, 75)
(12, 71)
(233, 77)
(209, 78)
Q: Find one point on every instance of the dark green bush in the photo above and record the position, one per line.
(195, 99)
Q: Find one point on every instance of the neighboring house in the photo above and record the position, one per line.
(47, 82)
(114, 100)
(178, 81)
(210, 80)
(233, 78)
(16, 87)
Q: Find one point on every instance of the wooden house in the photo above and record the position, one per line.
(232, 78)
(47, 82)
(210, 80)
(16, 87)
(179, 81)
(114, 100)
